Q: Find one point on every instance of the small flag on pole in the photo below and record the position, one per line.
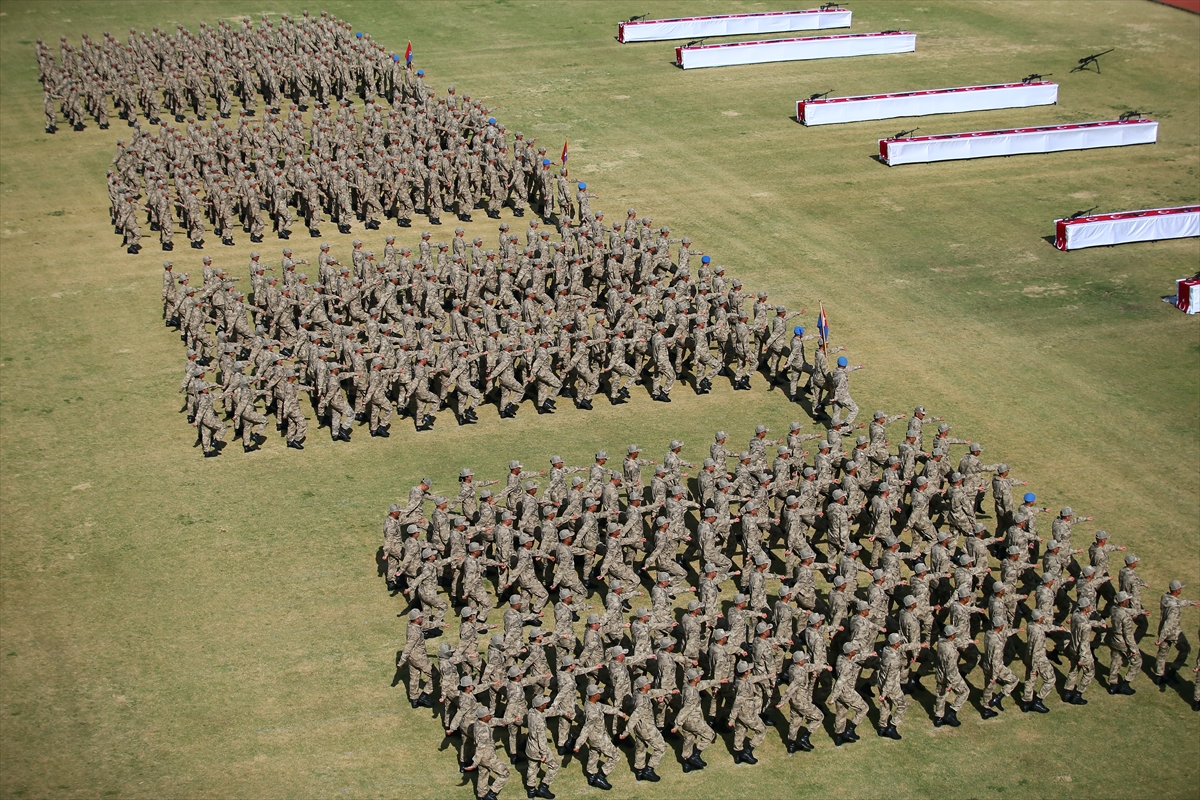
(823, 324)
(564, 153)
(408, 54)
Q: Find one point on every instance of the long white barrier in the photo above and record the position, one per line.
(657, 30)
(801, 49)
(1148, 225)
(1017, 141)
(830, 110)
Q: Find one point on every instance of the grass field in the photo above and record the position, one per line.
(178, 627)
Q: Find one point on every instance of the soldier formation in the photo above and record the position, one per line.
(374, 338)
(577, 304)
(408, 151)
(867, 557)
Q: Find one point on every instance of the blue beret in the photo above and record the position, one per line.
(798, 330)
(842, 361)
(705, 259)
(582, 185)
(1030, 497)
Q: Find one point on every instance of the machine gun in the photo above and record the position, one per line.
(695, 42)
(1033, 76)
(635, 19)
(905, 134)
(820, 96)
(1088, 61)
(832, 6)
(1130, 115)
(1079, 214)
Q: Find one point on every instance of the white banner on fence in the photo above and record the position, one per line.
(801, 49)
(1018, 141)
(657, 30)
(1148, 225)
(831, 110)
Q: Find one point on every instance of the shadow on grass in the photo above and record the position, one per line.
(1179, 683)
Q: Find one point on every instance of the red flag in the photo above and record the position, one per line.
(564, 153)
(408, 54)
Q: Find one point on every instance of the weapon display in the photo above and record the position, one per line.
(820, 95)
(1091, 60)
(1033, 76)
(1079, 214)
(905, 134)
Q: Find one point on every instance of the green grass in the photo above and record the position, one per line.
(171, 626)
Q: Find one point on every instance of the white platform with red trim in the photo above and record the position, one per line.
(1147, 225)
(1017, 141)
(830, 110)
(1187, 295)
(657, 30)
(800, 49)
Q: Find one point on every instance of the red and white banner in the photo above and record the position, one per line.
(1187, 295)
(1147, 225)
(830, 110)
(657, 30)
(1017, 141)
(801, 49)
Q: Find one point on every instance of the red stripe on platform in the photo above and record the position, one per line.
(799, 39)
(942, 136)
(924, 92)
(1187, 5)
(736, 16)
(1149, 212)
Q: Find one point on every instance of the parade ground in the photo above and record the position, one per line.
(175, 626)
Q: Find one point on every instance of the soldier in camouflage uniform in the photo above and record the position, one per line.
(804, 714)
(1170, 634)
